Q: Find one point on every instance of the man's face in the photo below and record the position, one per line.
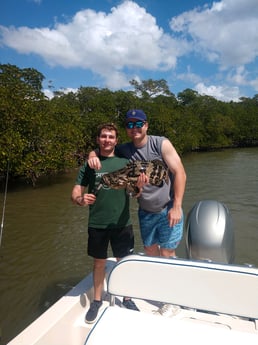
(136, 129)
(107, 140)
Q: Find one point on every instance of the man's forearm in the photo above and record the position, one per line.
(179, 189)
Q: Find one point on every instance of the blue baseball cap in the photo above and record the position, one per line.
(136, 114)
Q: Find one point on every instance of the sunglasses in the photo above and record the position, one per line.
(137, 124)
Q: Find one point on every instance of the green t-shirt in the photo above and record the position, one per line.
(111, 208)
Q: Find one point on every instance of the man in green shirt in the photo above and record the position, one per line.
(109, 216)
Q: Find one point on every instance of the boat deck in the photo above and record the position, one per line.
(64, 322)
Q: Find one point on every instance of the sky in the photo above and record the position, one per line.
(207, 46)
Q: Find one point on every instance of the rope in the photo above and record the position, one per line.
(5, 196)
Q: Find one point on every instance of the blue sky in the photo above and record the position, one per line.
(207, 46)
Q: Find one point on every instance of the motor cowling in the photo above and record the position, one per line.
(209, 232)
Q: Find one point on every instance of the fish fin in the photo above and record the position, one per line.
(161, 184)
(132, 190)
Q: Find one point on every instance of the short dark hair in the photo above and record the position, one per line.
(108, 126)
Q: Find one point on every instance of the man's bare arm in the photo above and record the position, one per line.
(175, 165)
(80, 198)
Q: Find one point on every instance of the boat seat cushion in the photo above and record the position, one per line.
(118, 326)
(208, 286)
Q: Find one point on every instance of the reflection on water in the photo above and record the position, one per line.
(43, 250)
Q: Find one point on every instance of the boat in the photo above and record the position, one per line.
(215, 301)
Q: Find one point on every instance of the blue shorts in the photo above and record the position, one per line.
(155, 229)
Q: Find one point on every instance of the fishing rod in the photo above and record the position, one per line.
(4, 204)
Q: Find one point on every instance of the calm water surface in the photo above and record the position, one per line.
(43, 251)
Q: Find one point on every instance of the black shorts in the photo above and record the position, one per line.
(121, 241)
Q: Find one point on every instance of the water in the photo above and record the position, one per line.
(43, 252)
(230, 177)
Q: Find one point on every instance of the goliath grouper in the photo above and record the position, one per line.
(126, 178)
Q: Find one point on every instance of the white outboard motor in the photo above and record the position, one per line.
(209, 232)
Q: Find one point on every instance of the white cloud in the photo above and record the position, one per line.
(223, 93)
(254, 84)
(238, 76)
(189, 76)
(226, 33)
(127, 37)
(127, 42)
(50, 94)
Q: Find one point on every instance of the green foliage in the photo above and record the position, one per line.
(41, 136)
(37, 136)
(148, 89)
